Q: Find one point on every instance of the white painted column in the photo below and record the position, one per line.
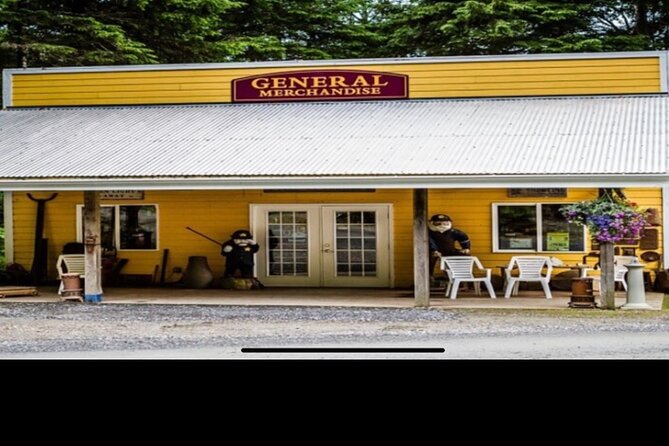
(93, 252)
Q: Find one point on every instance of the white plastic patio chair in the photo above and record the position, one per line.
(619, 270)
(530, 269)
(461, 269)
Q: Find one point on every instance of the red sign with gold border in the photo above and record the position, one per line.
(320, 85)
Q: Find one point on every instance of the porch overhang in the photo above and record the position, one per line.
(593, 141)
(338, 183)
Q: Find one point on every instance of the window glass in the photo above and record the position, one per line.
(288, 243)
(517, 227)
(138, 226)
(356, 243)
(107, 226)
(125, 227)
(557, 234)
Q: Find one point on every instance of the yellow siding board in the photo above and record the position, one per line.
(197, 77)
(531, 92)
(534, 78)
(502, 78)
(444, 93)
(536, 85)
(561, 72)
(459, 84)
(618, 63)
(27, 90)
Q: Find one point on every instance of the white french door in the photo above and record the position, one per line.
(322, 245)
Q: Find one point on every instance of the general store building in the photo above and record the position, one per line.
(333, 165)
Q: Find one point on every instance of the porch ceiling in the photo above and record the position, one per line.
(520, 142)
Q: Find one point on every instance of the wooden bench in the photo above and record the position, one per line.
(14, 291)
(73, 263)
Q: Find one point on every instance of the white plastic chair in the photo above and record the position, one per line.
(74, 263)
(619, 270)
(530, 270)
(461, 269)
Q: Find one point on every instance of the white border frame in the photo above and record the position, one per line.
(537, 205)
(117, 225)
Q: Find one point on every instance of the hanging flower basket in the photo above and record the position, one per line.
(609, 220)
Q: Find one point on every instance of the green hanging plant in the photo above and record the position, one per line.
(609, 220)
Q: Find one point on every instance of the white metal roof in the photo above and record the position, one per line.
(571, 141)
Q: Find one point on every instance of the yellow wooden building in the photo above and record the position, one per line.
(327, 162)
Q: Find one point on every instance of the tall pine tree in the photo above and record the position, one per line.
(51, 33)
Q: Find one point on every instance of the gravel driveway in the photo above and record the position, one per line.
(67, 330)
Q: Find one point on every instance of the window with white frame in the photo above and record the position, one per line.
(534, 227)
(126, 227)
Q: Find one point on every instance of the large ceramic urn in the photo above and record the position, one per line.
(197, 274)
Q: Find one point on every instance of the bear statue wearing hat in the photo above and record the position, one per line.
(443, 237)
(238, 252)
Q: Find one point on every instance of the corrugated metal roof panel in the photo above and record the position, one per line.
(528, 136)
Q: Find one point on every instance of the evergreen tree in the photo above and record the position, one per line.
(514, 26)
(301, 29)
(57, 33)
(631, 25)
(436, 27)
(176, 31)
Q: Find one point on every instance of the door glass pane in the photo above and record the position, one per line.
(517, 227)
(288, 243)
(557, 234)
(355, 247)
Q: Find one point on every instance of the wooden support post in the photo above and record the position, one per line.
(93, 252)
(421, 275)
(608, 285)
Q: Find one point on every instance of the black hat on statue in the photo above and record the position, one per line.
(440, 217)
(242, 234)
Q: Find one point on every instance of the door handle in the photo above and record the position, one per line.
(328, 250)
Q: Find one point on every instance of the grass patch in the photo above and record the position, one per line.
(566, 313)
(665, 302)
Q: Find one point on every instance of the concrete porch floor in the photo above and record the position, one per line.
(332, 297)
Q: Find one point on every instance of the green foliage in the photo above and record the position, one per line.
(301, 29)
(436, 27)
(177, 31)
(93, 32)
(50, 33)
(432, 27)
(631, 25)
(106, 32)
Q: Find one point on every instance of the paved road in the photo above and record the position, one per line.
(193, 331)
